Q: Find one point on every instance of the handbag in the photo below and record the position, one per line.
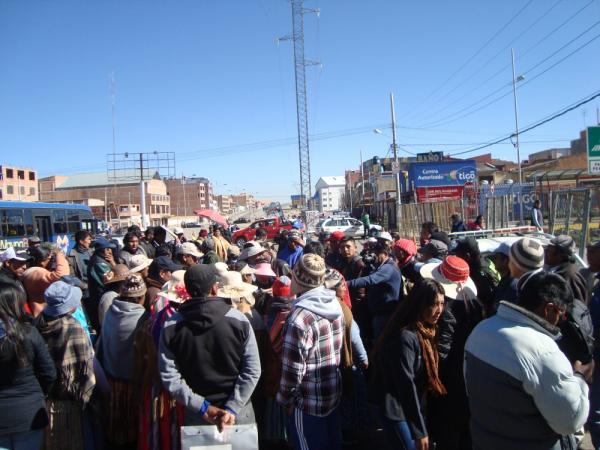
(207, 437)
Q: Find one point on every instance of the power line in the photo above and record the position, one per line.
(443, 121)
(474, 55)
(537, 124)
(522, 55)
(470, 77)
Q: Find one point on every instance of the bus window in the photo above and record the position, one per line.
(72, 216)
(12, 223)
(74, 227)
(59, 219)
(28, 216)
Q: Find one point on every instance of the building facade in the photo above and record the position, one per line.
(224, 204)
(189, 194)
(18, 183)
(330, 193)
(116, 202)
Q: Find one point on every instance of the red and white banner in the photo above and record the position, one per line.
(437, 193)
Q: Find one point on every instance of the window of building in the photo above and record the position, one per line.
(32, 191)
(0, 194)
(9, 173)
(21, 174)
(22, 190)
(31, 176)
(10, 189)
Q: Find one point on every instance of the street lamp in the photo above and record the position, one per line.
(517, 146)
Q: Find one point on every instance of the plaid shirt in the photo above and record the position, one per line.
(310, 379)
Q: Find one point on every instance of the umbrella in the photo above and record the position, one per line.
(212, 215)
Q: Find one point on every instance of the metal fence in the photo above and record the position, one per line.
(576, 213)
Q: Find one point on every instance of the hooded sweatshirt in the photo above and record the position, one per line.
(115, 349)
(208, 355)
(311, 354)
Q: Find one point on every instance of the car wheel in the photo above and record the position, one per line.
(240, 242)
(373, 232)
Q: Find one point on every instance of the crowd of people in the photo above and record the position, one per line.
(321, 343)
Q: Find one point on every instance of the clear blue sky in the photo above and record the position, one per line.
(205, 78)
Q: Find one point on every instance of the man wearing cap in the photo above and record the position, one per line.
(33, 242)
(293, 250)
(334, 258)
(178, 231)
(208, 357)
(189, 255)
(386, 239)
(507, 287)
(560, 259)
(13, 267)
(384, 287)
(159, 273)
(433, 252)
(310, 388)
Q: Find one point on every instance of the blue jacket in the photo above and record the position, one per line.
(289, 256)
(384, 288)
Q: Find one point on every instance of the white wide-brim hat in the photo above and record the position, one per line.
(452, 289)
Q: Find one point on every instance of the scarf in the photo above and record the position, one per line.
(426, 336)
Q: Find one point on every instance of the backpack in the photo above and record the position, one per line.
(577, 340)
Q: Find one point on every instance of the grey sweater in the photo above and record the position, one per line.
(115, 347)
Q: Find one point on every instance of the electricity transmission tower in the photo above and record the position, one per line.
(300, 63)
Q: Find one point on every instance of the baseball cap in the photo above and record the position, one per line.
(384, 235)
(163, 263)
(564, 243)
(199, 279)
(189, 248)
(10, 254)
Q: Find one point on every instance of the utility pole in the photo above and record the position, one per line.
(397, 175)
(362, 182)
(144, 219)
(300, 64)
(515, 80)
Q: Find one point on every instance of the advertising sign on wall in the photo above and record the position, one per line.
(453, 173)
(434, 194)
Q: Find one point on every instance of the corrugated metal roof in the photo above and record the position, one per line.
(92, 179)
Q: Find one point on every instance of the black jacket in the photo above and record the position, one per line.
(399, 381)
(6, 276)
(209, 340)
(22, 389)
(577, 282)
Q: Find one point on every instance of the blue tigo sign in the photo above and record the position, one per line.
(453, 173)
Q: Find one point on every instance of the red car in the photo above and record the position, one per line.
(271, 226)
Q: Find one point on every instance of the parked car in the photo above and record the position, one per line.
(490, 240)
(190, 225)
(240, 220)
(349, 225)
(272, 226)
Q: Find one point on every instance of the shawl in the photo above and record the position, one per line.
(221, 246)
(73, 355)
